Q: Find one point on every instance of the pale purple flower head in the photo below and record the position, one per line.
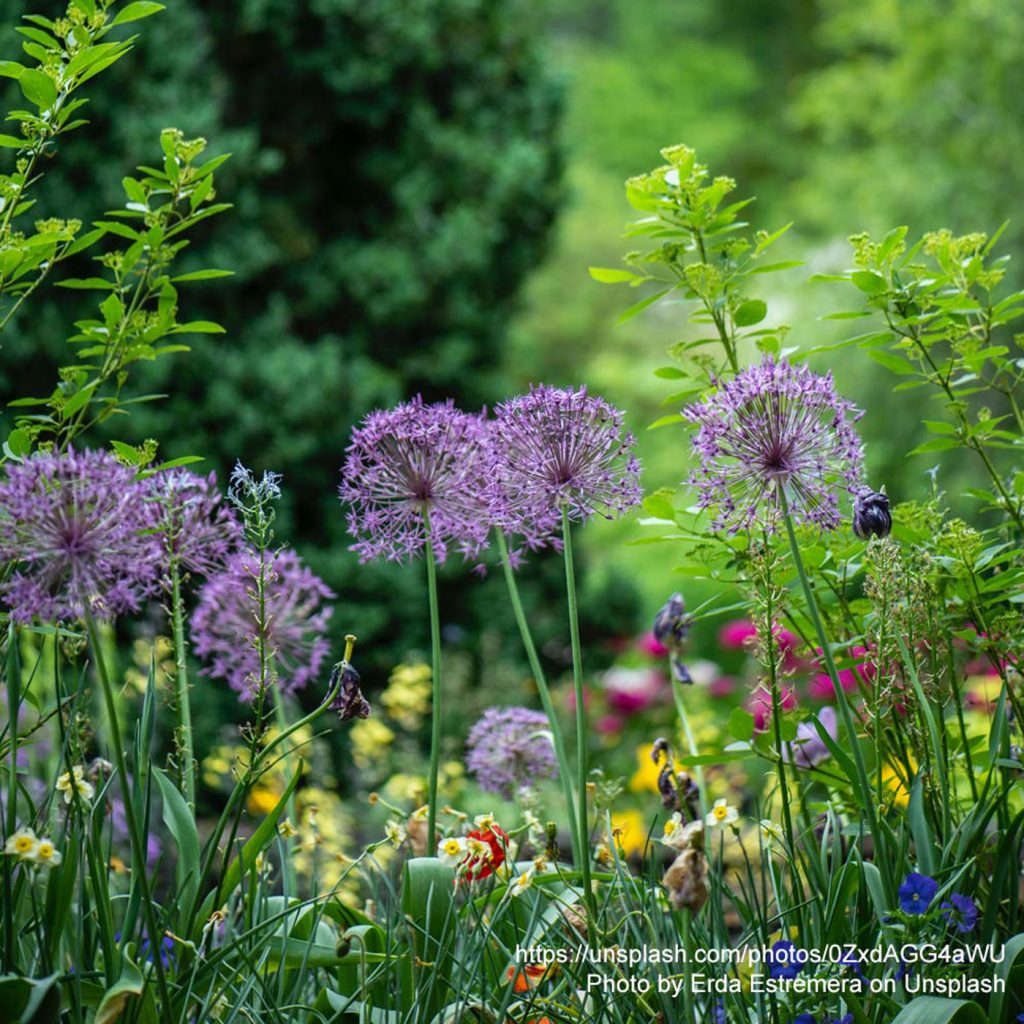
(410, 463)
(197, 529)
(227, 625)
(775, 426)
(509, 748)
(556, 448)
(78, 527)
(809, 749)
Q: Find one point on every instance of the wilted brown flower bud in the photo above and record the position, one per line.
(686, 880)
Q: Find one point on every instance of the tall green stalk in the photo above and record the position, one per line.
(186, 747)
(842, 702)
(281, 717)
(134, 833)
(581, 713)
(10, 825)
(564, 769)
(435, 676)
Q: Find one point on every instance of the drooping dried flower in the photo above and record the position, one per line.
(197, 529)
(229, 624)
(775, 428)
(412, 463)
(78, 529)
(349, 702)
(556, 448)
(686, 880)
(871, 515)
(509, 748)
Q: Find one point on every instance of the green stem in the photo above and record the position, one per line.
(186, 748)
(134, 834)
(842, 702)
(564, 771)
(281, 716)
(688, 1016)
(581, 715)
(11, 824)
(435, 676)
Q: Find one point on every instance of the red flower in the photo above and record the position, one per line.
(480, 865)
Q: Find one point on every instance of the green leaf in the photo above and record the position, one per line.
(933, 1010)
(608, 275)
(121, 997)
(868, 281)
(666, 420)
(639, 307)
(77, 401)
(38, 87)
(427, 893)
(741, 725)
(198, 327)
(18, 444)
(892, 361)
(202, 275)
(137, 11)
(751, 312)
(1011, 971)
(11, 142)
(181, 824)
(28, 1001)
(670, 373)
(97, 283)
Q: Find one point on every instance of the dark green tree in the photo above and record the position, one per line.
(395, 178)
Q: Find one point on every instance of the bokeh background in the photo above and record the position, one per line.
(419, 189)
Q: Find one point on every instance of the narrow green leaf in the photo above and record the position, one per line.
(137, 11)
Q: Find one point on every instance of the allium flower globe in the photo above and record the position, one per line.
(196, 527)
(78, 528)
(227, 625)
(558, 448)
(775, 427)
(409, 463)
(509, 748)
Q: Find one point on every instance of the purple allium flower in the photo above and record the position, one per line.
(196, 528)
(917, 892)
(775, 426)
(960, 912)
(509, 748)
(227, 625)
(786, 959)
(809, 749)
(77, 526)
(805, 1018)
(413, 460)
(558, 448)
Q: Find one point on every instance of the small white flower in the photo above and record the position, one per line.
(395, 832)
(673, 830)
(451, 851)
(484, 822)
(46, 855)
(521, 883)
(770, 832)
(421, 813)
(722, 814)
(75, 782)
(22, 844)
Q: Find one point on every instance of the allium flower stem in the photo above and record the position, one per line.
(13, 681)
(564, 771)
(435, 674)
(581, 714)
(863, 784)
(281, 717)
(186, 750)
(138, 846)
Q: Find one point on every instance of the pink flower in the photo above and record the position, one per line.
(734, 636)
(759, 704)
(724, 686)
(650, 645)
(610, 725)
(630, 690)
(821, 688)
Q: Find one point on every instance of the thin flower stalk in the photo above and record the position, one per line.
(437, 691)
(564, 771)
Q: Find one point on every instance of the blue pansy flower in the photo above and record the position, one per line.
(805, 1018)
(960, 912)
(786, 960)
(917, 892)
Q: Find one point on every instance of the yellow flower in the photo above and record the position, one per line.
(395, 832)
(630, 830)
(75, 782)
(407, 697)
(22, 844)
(645, 778)
(893, 785)
(369, 737)
(262, 799)
(404, 788)
(287, 829)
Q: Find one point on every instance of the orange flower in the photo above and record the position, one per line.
(527, 977)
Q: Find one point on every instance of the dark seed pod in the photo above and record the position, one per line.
(672, 624)
(871, 515)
